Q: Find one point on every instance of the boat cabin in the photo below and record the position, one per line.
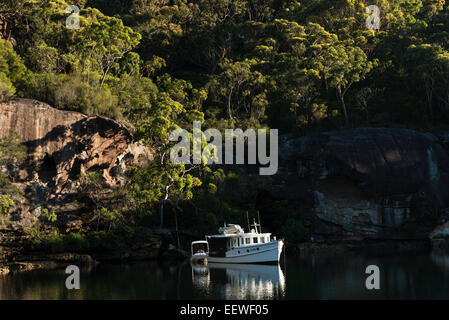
(220, 244)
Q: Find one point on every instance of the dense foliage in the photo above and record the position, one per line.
(160, 64)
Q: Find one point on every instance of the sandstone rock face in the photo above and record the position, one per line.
(33, 120)
(61, 146)
(365, 183)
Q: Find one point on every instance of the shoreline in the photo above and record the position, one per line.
(42, 260)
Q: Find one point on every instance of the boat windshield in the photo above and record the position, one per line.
(199, 248)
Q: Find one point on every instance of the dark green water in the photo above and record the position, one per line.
(343, 277)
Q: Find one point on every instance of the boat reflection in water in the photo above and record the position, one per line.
(201, 278)
(240, 281)
(441, 259)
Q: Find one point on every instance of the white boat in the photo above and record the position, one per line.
(233, 245)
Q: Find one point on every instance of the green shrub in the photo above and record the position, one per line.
(50, 217)
(11, 149)
(55, 243)
(7, 90)
(110, 219)
(75, 242)
(74, 92)
(35, 234)
(6, 187)
(5, 203)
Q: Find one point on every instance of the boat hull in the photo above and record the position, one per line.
(262, 253)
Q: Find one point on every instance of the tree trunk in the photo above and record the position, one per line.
(161, 208)
(229, 104)
(429, 93)
(161, 212)
(366, 112)
(176, 227)
(104, 76)
(341, 95)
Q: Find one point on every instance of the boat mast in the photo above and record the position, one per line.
(255, 224)
(260, 226)
(247, 219)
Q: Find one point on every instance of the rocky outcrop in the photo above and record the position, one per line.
(61, 146)
(365, 183)
(47, 261)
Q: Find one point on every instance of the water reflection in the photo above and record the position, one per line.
(441, 260)
(201, 279)
(240, 281)
(424, 276)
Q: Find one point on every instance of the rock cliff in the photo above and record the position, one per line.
(62, 145)
(365, 183)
